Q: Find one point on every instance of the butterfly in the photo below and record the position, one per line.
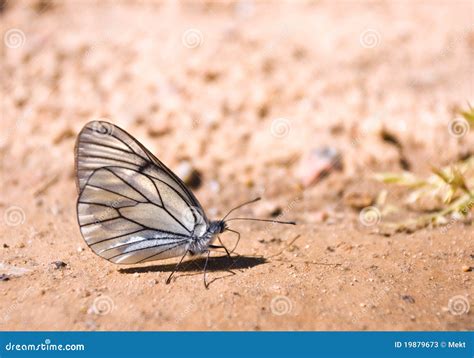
(131, 208)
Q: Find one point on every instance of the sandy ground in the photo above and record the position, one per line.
(244, 92)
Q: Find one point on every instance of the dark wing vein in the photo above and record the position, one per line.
(107, 205)
(111, 191)
(104, 221)
(113, 159)
(117, 237)
(111, 147)
(169, 186)
(134, 188)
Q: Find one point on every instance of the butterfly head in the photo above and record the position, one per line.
(217, 227)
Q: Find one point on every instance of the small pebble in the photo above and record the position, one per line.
(4, 277)
(153, 282)
(317, 164)
(58, 264)
(466, 268)
(276, 212)
(408, 298)
(358, 200)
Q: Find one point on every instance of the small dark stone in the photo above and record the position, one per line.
(194, 180)
(405, 164)
(330, 248)
(4, 277)
(390, 138)
(59, 265)
(408, 298)
(276, 212)
(5, 246)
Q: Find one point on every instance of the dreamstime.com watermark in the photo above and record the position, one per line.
(14, 38)
(102, 305)
(369, 38)
(458, 127)
(458, 305)
(14, 216)
(281, 305)
(280, 127)
(370, 216)
(192, 38)
(46, 346)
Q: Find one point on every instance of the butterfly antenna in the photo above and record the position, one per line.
(265, 220)
(238, 207)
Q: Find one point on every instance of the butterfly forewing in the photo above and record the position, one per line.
(131, 207)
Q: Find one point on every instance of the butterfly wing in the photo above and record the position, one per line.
(131, 207)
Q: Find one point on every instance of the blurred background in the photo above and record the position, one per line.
(312, 105)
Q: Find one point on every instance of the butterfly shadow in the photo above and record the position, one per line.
(217, 263)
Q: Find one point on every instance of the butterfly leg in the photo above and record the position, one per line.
(205, 269)
(214, 247)
(176, 267)
(238, 239)
(221, 246)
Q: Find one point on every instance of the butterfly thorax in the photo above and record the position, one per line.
(201, 243)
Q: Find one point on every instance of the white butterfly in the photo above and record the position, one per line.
(132, 208)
